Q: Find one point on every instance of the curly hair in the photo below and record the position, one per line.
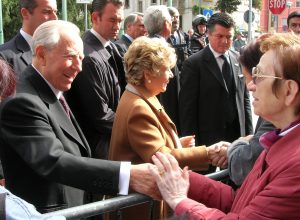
(7, 80)
(147, 54)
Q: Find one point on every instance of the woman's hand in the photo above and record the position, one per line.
(187, 141)
(172, 181)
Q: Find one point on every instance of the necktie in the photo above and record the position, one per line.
(226, 73)
(64, 104)
(112, 60)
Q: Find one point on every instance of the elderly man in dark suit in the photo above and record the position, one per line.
(46, 158)
(33, 12)
(214, 103)
(96, 91)
(134, 28)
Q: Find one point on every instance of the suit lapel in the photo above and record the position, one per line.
(22, 45)
(48, 97)
(213, 66)
(235, 66)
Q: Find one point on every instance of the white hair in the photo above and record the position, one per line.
(49, 33)
(154, 18)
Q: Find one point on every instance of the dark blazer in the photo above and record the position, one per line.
(122, 44)
(203, 99)
(45, 155)
(94, 95)
(17, 53)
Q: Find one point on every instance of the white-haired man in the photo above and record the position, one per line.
(46, 158)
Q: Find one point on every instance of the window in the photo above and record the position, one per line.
(140, 6)
(126, 5)
(298, 3)
(153, 2)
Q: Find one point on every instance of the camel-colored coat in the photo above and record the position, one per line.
(141, 128)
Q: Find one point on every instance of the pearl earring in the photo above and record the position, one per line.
(149, 81)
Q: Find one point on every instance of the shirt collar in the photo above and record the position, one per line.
(100, 38)
(26, 36)
(216, 54)
(55, 91)
(129, 37)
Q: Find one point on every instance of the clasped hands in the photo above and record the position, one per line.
(217, 154)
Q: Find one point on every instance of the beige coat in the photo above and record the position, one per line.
(141, 128)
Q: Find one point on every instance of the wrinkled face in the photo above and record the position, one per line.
(265, 103)
(63, 62)
(137, 29)
(294, 25)
(220, 38)
(46, 10)
(158, 84)
(108, 23)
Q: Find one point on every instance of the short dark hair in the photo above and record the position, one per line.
(30, 5)
(250, 54)
(7, 80)
(295, 14)
(222, 19)
(99, 5)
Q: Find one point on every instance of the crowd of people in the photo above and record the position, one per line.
(93, 115)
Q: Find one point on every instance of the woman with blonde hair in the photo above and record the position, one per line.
(141, 126)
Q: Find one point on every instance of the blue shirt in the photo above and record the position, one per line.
(18, 209)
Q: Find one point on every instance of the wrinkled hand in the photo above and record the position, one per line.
(142, 181)
(188, 141)
(172, 181)
(217, 154)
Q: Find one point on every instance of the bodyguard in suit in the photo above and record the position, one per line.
(134, 28)
(96, 91)
(46, 158)
(213, 101)
(33, 12)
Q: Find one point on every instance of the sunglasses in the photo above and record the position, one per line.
(257, 75)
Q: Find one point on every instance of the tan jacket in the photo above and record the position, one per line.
(141, 128)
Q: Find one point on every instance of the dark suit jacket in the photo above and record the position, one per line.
(122, 44)
(94, 96)
(203, 98)
(17, 53)
(45, 155)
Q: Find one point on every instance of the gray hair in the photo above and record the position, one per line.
(49, 33)
(132, 18)
(173, 10)
(154, 18)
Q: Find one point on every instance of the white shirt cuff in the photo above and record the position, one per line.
(124, 178)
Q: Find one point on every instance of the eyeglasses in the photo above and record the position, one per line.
(257, 75)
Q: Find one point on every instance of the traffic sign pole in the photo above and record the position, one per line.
(250, 21)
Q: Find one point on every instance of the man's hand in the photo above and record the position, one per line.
(142, 181)
(217, 154)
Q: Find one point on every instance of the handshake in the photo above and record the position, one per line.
(217, 154)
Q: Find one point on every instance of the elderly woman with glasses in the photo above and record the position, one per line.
(272, 188)
(243, 152)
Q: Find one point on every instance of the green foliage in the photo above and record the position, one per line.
(256, 4)
(11, 18)
(228, 6)
(12, 22)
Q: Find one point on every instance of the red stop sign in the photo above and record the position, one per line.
(277, 6)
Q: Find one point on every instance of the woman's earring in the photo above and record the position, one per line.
(149, 81)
